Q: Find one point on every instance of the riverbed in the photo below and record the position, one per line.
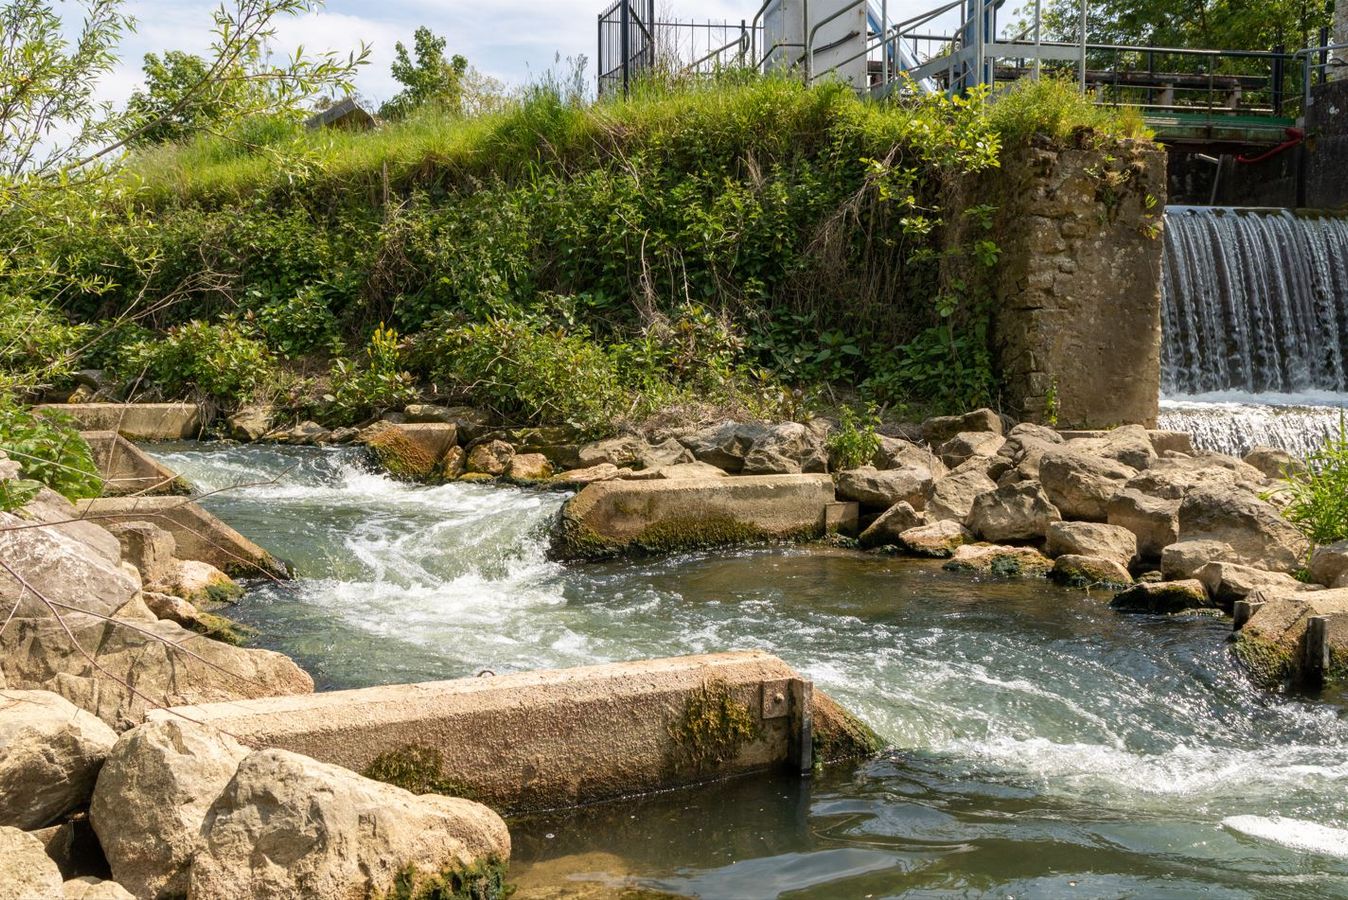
(1049, 746)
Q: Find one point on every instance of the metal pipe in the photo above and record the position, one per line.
(884, 47)
(1038, 35)
(1083, 47)
(805, 27)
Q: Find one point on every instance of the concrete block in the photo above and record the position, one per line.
(135, 421)
(126, 469)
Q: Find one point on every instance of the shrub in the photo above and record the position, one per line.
(1056, 109)
(854, 442)
(1318, 491)
(49, 451)
(36, 343)
(222, 362)
(380, 384)
(302, 323)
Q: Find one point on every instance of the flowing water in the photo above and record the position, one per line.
(1050, 747)
(1255, 323)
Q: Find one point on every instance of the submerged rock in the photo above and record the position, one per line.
(1163, 597)
(1088, 571)
(50, 755)
(1005, 562)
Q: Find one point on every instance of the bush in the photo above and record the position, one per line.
(1319, 491)
(223, 363)
(854, 442)
(49, 451)
(37, 344)
(379, 385)
(1055, 108)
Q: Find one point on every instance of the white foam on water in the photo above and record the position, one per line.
(1294, 834)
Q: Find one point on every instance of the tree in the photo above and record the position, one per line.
(169, 110)
(430, 79)
(1201, 24)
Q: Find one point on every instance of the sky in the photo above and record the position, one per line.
(512, 40)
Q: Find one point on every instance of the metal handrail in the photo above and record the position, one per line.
(1307, 67)
(814, 32)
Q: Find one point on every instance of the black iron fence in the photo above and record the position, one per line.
(626, 44)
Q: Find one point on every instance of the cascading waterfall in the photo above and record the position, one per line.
(1255, 319)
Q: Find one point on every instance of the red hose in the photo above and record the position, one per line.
(1294, 136)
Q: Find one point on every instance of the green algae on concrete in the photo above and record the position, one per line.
(416, 768)
(712, 729)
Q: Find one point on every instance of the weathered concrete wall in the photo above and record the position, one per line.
(1327, 152)
(199, 535)
(126, 469)
(544, 739)
(135, 421)
(1077, 317)
(657, 516)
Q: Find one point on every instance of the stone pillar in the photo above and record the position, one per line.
(1339, 35)
(1077, 316)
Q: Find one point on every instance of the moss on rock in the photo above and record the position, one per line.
(485, 880)
(837, 734)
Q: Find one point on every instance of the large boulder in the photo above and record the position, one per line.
(1154, 521)
(897, 453)
(1017, 511)
(413, 451)
(529, 467)
(1019, 458)
(1163, 597)
(1329, 565)
(1006, 562)
(939, 539)
(490, 458)
(1183, 559)
(251, 423)
(724, 445)
(1089, 571)
(1228, 582)
(970, 444)
(1081, 485)
(1258, 534)
(942, 428)
(59, 567)
(152, 797)
(1092, 539)
(50, 754)
(1273, 642)
(892, 523)
(883, 488)
(626, 450)
(1273, 463)
(287, 826)
(26, 871)
(1173, 477)
(149, 548)
(953, 496)
(787, 449)
(665, 454)
(1128, 444)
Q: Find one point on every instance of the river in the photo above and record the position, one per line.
(1050, 747)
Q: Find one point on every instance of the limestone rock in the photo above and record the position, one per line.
(410, 452)
(302, 435)
(690, 470)
(939, 539)
(969, 444)
(90, 888)
(1272, 643)
(1154, 521)
(1272, 462)
(1023, 451)
(601, 472)
(1329, 565)
(1092, 539)
(1013, 512)
(200, 582)
(50, 754)
(870, 486)
(896, 453)
(152, 797)
(1228, 582)
(26, 872)
(452, 465)
(786, 449)
(62, 517)
(724, 445)
(529, 467)
(470, 423)
(1088, 571)
(1130, 445)
(1257, 533)
(252, 423)
(942, 428)
(490, 458)
(1081, 485)
(619, 451)
(1174, 476)
(1163, 597)
(62, 568)
(147, 547)
(287, 826)
(1183, 559)
(667, 454)
(893, 522)
(1007, 562)
(953, 496)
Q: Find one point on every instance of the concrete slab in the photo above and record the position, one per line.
(613, 517)
(134, 421)
(553, 738)
(126, 469)
(199, 534)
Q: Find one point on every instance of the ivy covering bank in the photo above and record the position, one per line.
(746, 244)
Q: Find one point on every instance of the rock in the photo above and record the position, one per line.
(787, 449)
(152, 797)
(90, 888)
(26, 872)
(252, 423)
(1013, 512)
(842, 519)
(289, 827)
(893, 522)
(1329, 565)
(1092, 539)
(969, 444)
(1228, 582)
(1273, 463)
(60, 565)
(1174, 476)
(490, 458)
(1183, 559)
(1257, 533)
(62, 516)
(870, 486)
(50, 754)
(149, 548)
(690, 470)
(620, 451)
(1024, 449)
(199, 582)
(1130, 445)
(941, 429)
(1154, 521)
(724, 445)
(896, 453)
(953, 496)
(529, 467)
(304, 434)
(939, 539)
(601, 472)
(1272, 643)
(665, 455)
(1163, 597)
(1005, 562)
(186, 614)
(452, 465)
(1088, 571)
(1081, 485)
(410, 452)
